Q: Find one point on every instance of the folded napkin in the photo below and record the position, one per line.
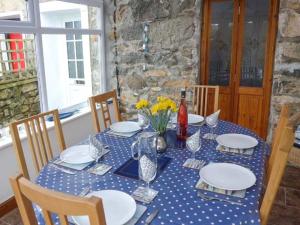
(193, 142)
(206, 187)
(213, 118)
(248, 151)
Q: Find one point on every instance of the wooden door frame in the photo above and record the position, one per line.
(237, 53)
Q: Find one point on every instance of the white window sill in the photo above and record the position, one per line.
(7, 141)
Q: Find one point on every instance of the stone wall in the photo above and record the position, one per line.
(173, 57)
(18, 99)
(286, 77)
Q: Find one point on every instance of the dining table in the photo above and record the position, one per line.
(177, 201)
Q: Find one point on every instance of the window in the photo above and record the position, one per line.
(75, 53)
(58, 45)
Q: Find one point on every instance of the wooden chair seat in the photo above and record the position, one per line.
(102, 100)
(50, 202)
(205, 99)
(38, 140)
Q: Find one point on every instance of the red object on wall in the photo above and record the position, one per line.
(14, 45)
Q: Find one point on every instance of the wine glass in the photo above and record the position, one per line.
(95, 148)
(212, 123)
(143, 121)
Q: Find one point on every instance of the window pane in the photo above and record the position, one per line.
(71, 50)
(80, 69)
(58, 13)
(69, 25)
(72, 69)
(73, 80)
(255, 32)
(79, 50)
(220, 43)
(77, 24)
(13, 10)
(18, 78)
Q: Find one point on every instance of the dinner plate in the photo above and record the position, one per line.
(192, 119)
(77, 154)
(125, 127)
(227, 176)
(239, 141)
(119, 207)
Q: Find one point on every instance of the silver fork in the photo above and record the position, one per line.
(209, 198)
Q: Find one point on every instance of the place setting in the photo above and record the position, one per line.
(220, 180)
(236, 144)
(79, 157)
(125, 129)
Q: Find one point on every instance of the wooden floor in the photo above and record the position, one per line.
(286, 211)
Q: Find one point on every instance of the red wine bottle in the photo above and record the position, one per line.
(182, 118)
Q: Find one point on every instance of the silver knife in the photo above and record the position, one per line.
(151, 217)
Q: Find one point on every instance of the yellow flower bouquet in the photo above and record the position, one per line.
(159, 113)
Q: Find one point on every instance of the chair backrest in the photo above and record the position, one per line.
(38, 140)
(49, 201)
(282, 149)
(282, 122)
(102, 100)
(202, 95)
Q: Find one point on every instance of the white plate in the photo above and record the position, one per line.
(77, 154)
(239, 141)
(227, 176)
(192, 119)
(119, 207)
(125, 127)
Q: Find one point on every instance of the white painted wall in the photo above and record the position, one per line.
(75, 130)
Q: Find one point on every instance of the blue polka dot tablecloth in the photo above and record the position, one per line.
(177, 199)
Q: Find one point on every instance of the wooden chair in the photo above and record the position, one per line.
(49, 201)
(282, 149)
(38, 140)
(201, 98)
(102, 100)
(282, 122)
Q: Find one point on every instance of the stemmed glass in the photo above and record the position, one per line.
(96, 148)
(143, 121)
(212, 123)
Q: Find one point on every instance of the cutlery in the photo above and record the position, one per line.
(71, 172)
(208, 198)
(151, 217)
(85, 191)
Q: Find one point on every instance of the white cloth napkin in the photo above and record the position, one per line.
(193, 142)
(212, 118)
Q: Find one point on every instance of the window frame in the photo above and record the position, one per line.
(33, 26)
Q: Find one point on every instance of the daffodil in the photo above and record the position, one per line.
(143, 103)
